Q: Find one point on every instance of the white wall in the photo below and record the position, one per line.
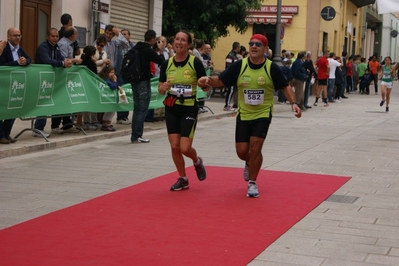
(389, 45)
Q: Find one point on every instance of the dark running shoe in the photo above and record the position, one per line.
(382, 103)
(180, 184)
(200, 169)
(387, 109)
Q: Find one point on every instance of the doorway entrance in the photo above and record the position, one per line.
(34, 23)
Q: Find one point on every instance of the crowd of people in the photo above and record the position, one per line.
(336, 75)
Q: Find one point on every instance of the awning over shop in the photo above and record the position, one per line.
(268, 19)
(360, 3)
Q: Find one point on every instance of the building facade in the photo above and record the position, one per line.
(34, 17)
(312, 25)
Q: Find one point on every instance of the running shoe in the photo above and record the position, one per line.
(180, 184)
(200, 169)
(253, 191)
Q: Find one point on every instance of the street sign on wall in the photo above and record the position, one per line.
(100, 7)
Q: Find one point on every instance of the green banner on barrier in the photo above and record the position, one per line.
(43, 90)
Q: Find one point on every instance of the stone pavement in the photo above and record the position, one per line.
(358, 225)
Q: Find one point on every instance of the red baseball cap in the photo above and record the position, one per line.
(261, 38)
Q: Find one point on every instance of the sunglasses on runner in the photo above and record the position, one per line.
(257, 44)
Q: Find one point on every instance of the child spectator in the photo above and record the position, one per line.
(108, 74)
(90, 119)
(365, 81)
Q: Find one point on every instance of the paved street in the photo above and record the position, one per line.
(357, 138)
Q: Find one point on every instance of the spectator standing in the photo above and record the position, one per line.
(66, 21)
(349, 75)
(49, 53)
(323, 70)
(361, 70)
(65, 44)
(299, 76)
(230, 59)
(309, 66)
(355, 66)
(331, 78)
(113, 44)
(206, 55)
(286, 69)
(12, 55)
(338, 81)
(255, 104)
(374, 67)
(142, 88)
(101, 56)
(90, 120)
(344, 59)
(181, 115)
(197, 52)
(122, 117)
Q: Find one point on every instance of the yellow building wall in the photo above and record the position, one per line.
(306, 30)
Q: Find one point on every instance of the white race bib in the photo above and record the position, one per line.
(180, 89)
(254, 96)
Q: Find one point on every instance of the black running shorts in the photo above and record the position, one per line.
(246, 129)
(181, 120)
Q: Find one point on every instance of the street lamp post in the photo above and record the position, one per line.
(277, 57)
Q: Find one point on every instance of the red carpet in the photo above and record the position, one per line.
(212, 223)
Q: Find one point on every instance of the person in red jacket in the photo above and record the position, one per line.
(323, 70)
(349, 75)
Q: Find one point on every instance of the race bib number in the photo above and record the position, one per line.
(254, 96)
(181, 90)
(386, 75)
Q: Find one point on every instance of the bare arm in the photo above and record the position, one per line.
(289, 95)
(212, 81)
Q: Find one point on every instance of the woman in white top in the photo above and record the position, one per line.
(101, 56)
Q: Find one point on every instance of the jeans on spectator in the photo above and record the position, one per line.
(141, 101)
(338, 91)
(375, 78)
(349, 83)
(343, 85)
(40, 123)
(330, 89)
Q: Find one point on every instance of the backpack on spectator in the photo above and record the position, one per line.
(131, 67)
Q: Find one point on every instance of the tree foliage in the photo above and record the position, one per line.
(207, 19)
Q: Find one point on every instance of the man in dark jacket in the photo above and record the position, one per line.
(142, 89)
(309, 66)
(13, 55)
(48, 53)
(299, 77)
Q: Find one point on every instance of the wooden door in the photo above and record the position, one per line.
(35, 21)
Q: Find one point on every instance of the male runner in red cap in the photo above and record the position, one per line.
(256, 78)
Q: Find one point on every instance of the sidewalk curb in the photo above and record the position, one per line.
(60, 143)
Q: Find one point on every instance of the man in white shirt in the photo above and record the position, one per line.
(331, 79)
